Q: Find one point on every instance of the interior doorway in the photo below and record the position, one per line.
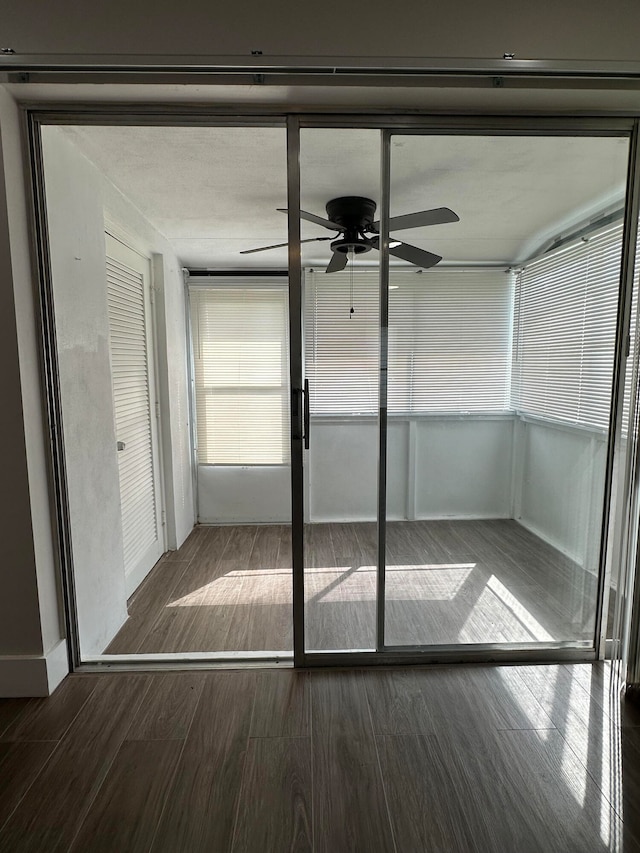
(386, 431)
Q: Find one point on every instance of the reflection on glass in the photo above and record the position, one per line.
(500, 375)
(227, 587)
(341, 352)
(627, 442)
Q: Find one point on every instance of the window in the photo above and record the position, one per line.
(342, 348)
(240, 335)
(449, 340)
(564, 331)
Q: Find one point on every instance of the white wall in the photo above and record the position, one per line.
(559, 496)
(457, 467)
(341, 477)
(437, 467)
(76, 238)
(342, 469)
(243, 494)
(77, 197)
(549, 477)
(33, 657)
(463, 467)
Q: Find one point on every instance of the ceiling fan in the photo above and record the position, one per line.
(358, 232)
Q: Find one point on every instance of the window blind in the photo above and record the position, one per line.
(449, 340)
(342, 349)
(240, 335)
(564, 332)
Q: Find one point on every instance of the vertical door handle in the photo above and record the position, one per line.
(306, 414)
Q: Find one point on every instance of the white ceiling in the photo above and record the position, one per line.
(214, 191)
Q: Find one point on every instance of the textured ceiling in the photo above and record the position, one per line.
(214, 191)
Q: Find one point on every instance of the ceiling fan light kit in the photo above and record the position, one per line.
(353, 217)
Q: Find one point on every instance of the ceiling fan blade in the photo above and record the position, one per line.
(437, 216)
(414, 255)
(281, 245)
(338, 262)
(406, 252)
(311, 217)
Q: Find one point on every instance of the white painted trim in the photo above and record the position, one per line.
(163, 394)
(458, 516)
(519, 439)
(33, 675)
(412, 480)
(244, 521)
(57, 664)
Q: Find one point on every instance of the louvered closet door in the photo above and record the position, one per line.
(129, 305)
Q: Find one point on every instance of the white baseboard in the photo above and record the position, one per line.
(133, 580)
(33, 675)
(340, 519)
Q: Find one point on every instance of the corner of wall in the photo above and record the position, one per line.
(34, 620)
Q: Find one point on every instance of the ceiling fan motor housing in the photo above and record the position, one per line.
(355, 214)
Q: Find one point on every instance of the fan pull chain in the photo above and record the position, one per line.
(351, 256)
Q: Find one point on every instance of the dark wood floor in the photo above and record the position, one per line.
(527, 759)
(229, 589)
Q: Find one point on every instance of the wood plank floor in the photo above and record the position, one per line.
(229, 589)
(533, 759)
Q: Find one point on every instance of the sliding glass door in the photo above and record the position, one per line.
(500, 370)
(340, 189)
(462, 352)
(452, 352)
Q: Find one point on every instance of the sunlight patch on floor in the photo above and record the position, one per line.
(258, 586)
(515, 607)
(415, 582)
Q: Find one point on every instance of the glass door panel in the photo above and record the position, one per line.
(625, 540)
(339, 178)
(224, 588)
(500, 368)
